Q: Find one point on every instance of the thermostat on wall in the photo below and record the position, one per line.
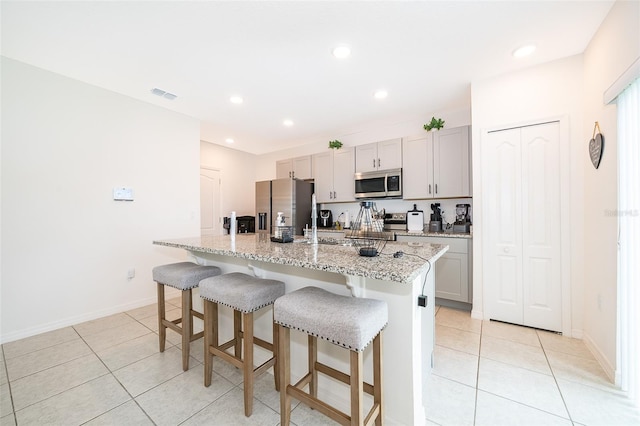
(122, 194)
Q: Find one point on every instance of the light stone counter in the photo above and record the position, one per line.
(335, 257)
(409, 337)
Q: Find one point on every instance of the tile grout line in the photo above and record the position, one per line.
(6, 372)
(554, 378)
(475, 406)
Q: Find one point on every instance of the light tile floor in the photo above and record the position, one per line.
(109, 372)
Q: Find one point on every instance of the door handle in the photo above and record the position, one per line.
(436, 188)
(374, 163)
(334, 195)
(429, 188)
(378, 162)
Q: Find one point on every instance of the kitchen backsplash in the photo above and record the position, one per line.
(448, 207)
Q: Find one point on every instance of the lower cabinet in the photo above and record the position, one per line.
(453, 269)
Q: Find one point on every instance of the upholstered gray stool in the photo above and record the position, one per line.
(344, 321)
(245, 294)
(183, 276)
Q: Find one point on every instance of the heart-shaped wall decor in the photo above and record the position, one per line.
(596, 147)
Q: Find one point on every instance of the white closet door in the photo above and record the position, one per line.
(521, 188)
(542, 285)
(503, 232)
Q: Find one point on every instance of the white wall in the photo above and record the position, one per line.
(533, 94)
(66, 245)
(238, 176)
(615, 46)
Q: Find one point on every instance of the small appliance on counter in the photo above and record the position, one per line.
(415, 220)
(395, 221)
(325, 219)
(244, 224)
(435, 224)
(463, 219)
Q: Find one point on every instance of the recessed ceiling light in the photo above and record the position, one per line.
(236, 99)
(228, 140)
(287, 123)
(341, 51)
(523, 51)
(380, 94)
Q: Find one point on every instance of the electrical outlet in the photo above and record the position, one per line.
(131, 273)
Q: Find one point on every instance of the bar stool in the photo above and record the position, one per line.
(344, 321)
(245, 294)
(184, 276)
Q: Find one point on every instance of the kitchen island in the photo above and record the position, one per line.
(336, 267)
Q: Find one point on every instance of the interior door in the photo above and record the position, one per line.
(210, 221)
(542, 279)
(521, 188)
(503, 227)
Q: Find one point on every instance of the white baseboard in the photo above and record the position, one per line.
(577, 334)
(55, 325)
(476, 314)
(608, 368)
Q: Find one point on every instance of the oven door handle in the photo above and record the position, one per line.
(386, 184)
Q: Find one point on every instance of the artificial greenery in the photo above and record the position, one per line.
(335, 144)
(435, 123)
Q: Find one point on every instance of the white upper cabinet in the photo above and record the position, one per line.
(383, 155)
(334, 175)
(437, 165)
(299, 168)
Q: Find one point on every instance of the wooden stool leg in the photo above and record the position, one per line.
(162, 330)
(276, 372)
(237, 321)
(208, 341)
(247, 333)
(313, 358)
(284, 360)
(377, 376)
(357, 388)
(187, 327)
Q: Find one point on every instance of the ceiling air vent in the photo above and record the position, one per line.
(162, 93)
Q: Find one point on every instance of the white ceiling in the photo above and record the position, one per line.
(277, 56)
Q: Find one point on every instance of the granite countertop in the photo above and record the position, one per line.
(447, 234)
(330, 256)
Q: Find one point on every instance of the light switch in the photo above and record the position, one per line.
(123, 194)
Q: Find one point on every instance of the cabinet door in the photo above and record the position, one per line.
(283, 169)
(323, 165)
(366, 158)
(415, 168)
(451, 163)
(390, 154)
(343, 175)
(302, 167)
(452, 277)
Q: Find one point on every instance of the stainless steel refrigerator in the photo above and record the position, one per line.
(290, 196)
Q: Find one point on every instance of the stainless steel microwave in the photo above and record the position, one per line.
(379, 184)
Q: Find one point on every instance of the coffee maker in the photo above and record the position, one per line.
(325, 219)
(435, 224)
(463, 218)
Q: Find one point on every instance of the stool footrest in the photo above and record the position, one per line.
(339, 375)
(172, 325)
(197, 314)
(304, 381)
(263, 343)
(197, 336)
(225, 356)
(319, 405)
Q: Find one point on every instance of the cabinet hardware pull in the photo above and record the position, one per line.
(429, 188)
(378, 162)
(374, 163)
(436, 188)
